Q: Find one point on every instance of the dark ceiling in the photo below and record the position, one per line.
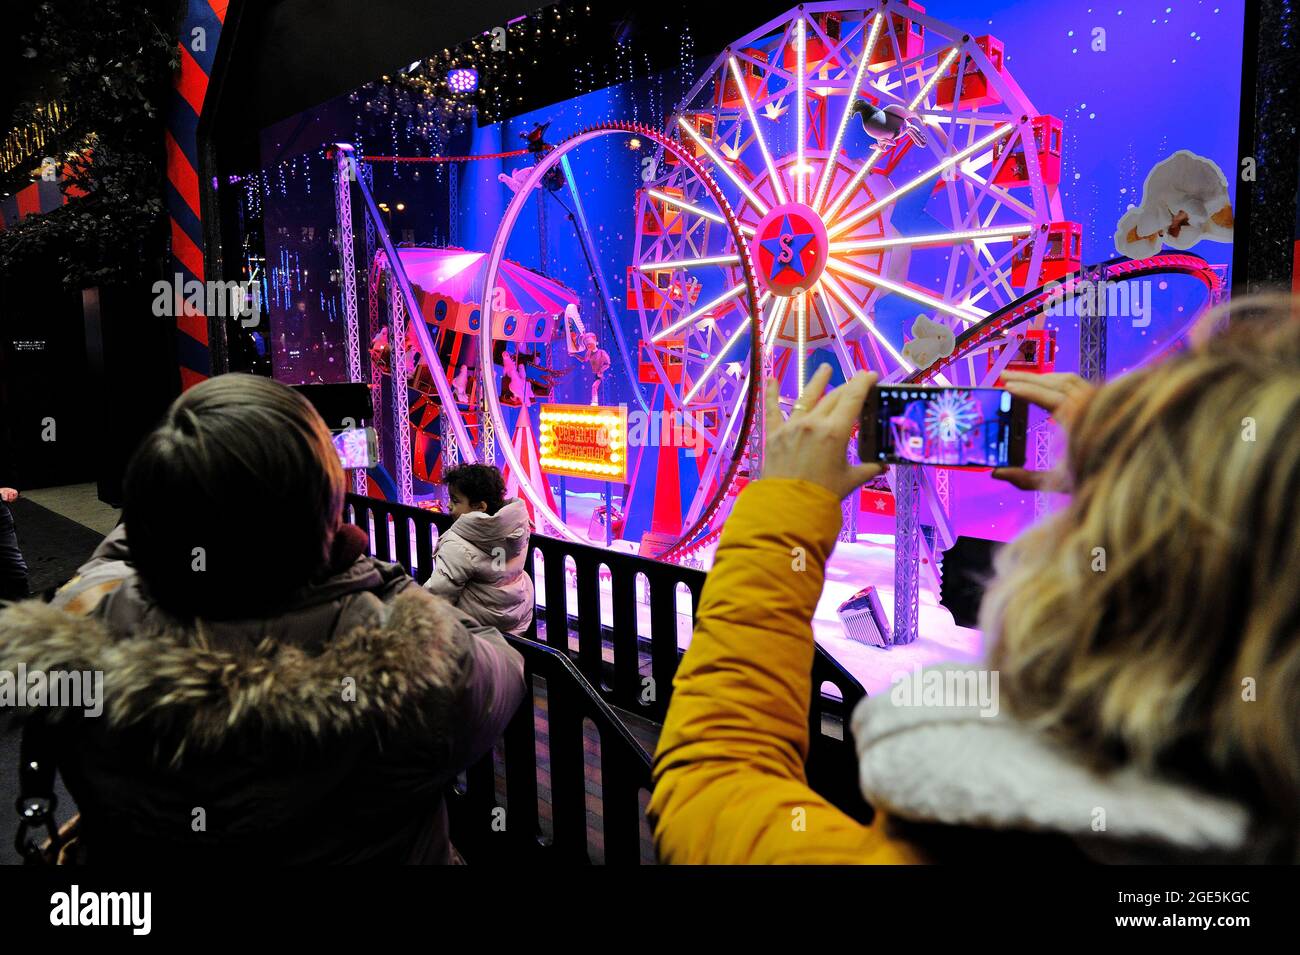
(290, 55)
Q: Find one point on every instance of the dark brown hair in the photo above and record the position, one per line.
(232, 503)
(478, 483)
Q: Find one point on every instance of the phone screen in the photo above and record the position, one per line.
(357, 447)
(958, 427)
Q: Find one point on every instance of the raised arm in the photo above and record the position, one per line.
(730, 785)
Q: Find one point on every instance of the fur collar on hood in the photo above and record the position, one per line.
(950, 765)
(199, 691)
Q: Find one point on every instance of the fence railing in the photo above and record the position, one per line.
(629, 662)
(595, 780)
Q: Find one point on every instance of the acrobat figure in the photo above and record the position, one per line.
(535, 138)
(460, 384)
(598, 358)
(514, 384)
(535, 141)
(889, 125)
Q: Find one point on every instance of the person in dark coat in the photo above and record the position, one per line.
(13, 569)
(271, 694)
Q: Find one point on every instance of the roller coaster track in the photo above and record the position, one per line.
(1032, 304)
(1026, 308)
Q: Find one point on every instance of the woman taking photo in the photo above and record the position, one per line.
(1149, 702)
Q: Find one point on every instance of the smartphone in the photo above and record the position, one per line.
(357, 447)
(943, 425)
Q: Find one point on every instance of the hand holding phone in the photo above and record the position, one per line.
(1062, 395)
(810, 445)
(943, 425)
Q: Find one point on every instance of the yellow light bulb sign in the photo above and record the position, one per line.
(585, 441)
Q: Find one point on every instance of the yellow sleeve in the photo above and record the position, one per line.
(729, 782)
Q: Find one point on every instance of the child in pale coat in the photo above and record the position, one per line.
(479, 564)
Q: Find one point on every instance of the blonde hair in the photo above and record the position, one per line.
(1155, 620)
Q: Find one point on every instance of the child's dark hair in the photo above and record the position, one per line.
(478, 482)
(232, 503)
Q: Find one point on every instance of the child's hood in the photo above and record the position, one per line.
(509, 528)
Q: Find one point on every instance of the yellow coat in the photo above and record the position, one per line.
(729, 782)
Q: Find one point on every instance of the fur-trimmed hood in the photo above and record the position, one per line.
(325, 733)
(215, 686)
(984, 770)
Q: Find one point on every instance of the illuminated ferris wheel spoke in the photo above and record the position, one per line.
(717, 360)
(873, 157)
(774, 323)
(990, 234)
(841, 295)
(847, 191)
(777, 186)
(715, 463)
(920, 296)
(702, 310)
(828, 310)
(801, 339)
(800, 167)
(694, 210)
(917, 180)
(759, 206)
(822, 306)
(828, 170)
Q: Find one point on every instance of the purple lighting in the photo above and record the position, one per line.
(462, 80)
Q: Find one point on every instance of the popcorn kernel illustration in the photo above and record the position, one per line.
(930, 342)
(1184, 200)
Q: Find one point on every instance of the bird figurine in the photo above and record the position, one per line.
(889, 125)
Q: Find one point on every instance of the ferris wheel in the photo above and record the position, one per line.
(883, 165)
(834, 176)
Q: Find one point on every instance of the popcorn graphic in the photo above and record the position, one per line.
(930, 342)
(1184, 200)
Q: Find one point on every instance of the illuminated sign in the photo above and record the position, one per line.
(587, 441)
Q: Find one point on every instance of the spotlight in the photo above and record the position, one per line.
(401, 207)
(634, 143)
(462, 80)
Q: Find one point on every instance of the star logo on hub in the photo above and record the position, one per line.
(790, 245)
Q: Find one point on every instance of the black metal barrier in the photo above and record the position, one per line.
(578, 818)
(630, 664)
(632, 671)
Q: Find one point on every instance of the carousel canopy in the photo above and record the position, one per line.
(458, 274)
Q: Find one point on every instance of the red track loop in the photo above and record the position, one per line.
(1032, 304)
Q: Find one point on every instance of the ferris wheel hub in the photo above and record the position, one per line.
(790, 249)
